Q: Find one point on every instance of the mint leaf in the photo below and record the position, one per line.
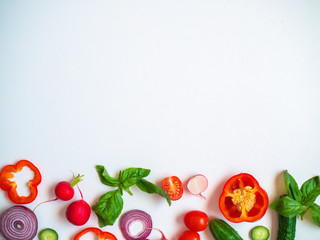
(105, 177)
(292, 187)
(149, 187)
(108, 208)
(287, 207)
(316, 214)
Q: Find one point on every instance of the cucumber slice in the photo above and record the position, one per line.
(48, 234)
(260, 233)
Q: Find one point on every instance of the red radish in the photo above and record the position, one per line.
(64, 190)
(78, 212)
(197, 185)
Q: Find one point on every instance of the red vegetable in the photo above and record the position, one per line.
(242, 199)
(173, 187)
(197, 185)
(135, 216)
(196, 220)
(11, 187)
(78, 212)
(18, 223)
(189, 235)
(100, 234)
(163, 237)
(64, 190)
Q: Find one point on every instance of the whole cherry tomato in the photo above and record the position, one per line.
(189, 235)
(173, 187)
(196, 220)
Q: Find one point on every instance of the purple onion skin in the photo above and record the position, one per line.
(18, 223)
(132, 216)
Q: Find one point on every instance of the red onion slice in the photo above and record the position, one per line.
(132, 216)
(18, 223)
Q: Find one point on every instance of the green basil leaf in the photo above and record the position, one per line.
(105, 177)
(131, 176)
(287, 207)
(312, 196)
(316, 213)
(149, 187)
(292, 187)
(108, 208)
(308, 187)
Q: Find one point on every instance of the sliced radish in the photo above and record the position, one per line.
(197, 185)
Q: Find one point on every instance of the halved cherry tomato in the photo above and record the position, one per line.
(173, 187)
(196, 220)
(189, 235)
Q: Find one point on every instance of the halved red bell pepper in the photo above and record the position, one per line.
(11, 187)
(102, 235)
(242, 199)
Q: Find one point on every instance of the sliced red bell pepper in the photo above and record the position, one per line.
(242, 199)
(102, 235)
(11, 187)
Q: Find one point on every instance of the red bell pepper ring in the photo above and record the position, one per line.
(11, 187)
(102, 235)
(243, 200)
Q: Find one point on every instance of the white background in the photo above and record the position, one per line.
(179, 87)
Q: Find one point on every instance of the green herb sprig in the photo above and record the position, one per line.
(109, 206)
(299, 201)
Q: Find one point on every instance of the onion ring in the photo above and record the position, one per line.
(132, 216)
(18, 223)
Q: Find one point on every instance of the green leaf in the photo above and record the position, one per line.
(312, 196)
(108, 208)
(292, 187)
(150, 188)
(102, 222)
(105, 177)
(310, 190)
(309, 185)
(316, 214)
(131, 176)
(287, 207)
(77, 179)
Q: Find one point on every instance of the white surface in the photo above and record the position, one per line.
(180, 87)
